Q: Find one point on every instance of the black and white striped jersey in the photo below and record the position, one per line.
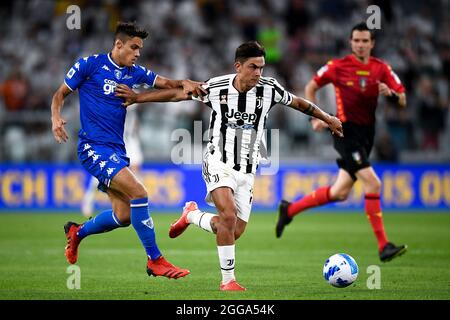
(238, 119)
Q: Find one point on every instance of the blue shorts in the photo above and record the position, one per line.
(102, 160)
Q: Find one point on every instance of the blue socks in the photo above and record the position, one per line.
(143, 224)
(104, 222)
(140, 219)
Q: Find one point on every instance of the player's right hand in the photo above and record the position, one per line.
(58, 130)
(123, 91)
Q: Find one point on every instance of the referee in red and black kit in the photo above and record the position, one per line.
(358, 80)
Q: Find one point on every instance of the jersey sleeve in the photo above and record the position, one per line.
(80, 71)
(326, 74)
(281, 95)
(146, 77)
(392, 80)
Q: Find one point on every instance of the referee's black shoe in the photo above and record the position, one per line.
(391, 251)
(283, 218)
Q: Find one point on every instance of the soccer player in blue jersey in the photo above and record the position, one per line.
(101, 148)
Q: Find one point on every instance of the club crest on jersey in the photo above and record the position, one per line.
(223, 99)
(363, 83)
(356, 156)
(114, 158)
(259, 102)
(118, 74)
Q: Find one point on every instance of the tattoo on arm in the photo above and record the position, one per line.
(310, 110)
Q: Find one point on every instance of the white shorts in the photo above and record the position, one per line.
(218, 174)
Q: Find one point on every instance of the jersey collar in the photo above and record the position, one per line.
(355, 59)
(112, 62)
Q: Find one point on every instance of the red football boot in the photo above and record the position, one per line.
(182, 223)
(71, 229)
(231, 285)
(162, 267)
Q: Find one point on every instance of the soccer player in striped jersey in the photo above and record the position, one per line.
(240, 103)
(101, 148)
(358, 79)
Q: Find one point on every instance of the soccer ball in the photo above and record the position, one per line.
(340, 270)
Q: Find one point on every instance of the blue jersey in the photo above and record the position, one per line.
(102, 115)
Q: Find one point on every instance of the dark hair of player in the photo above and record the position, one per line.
(126, 30)
(248, 50)
(362, 26)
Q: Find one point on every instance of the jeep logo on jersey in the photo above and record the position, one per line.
(241, 115)
(109, 86)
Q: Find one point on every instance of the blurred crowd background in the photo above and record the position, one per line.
(197, 39)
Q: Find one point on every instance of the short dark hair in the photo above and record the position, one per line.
(362, 26)
(248, 50)
(129, 29)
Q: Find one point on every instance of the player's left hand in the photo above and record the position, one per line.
(123, 91)
(58, 130)
(194, 87)
(384, 90)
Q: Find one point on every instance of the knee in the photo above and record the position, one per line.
(138, 192)
(123, 218)
(374, 186)
(228, 219)
(340, 195)
(125, 223)
(238, 233)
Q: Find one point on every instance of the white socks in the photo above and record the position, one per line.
(226, 259)
(226, 253)
(201, 219)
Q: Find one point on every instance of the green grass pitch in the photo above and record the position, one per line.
(112, 265)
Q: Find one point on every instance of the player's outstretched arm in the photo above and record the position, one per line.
(309, 108)
(190, 87)
(58, 122)
(161, 95)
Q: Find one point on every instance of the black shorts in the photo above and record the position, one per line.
(354, 148)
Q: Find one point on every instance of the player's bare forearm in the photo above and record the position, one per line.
(58, 123)
(189, 86)
(159, 95)
(309, 108)
(162, 95)
(164, 83)
(58, 99)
